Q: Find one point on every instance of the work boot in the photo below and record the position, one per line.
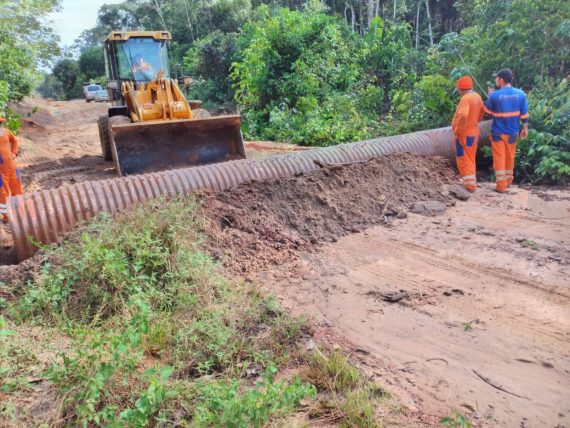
(501, 186)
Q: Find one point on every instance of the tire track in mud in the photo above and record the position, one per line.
(58, 172)
(542, 220)
(512, 317)
(465, 268)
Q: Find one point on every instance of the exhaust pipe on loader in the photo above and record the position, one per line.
(143, 147)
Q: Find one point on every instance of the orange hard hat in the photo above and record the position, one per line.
(465, 83)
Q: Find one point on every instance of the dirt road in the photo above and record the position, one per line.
(484, 327)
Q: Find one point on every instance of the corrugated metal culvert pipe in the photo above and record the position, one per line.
(43, 216)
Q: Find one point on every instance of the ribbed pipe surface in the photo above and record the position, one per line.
(44, 216)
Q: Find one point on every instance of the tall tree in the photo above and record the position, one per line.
(27, 43)
(92, 63)
(428, 15)
(419, 4)
(66, 71)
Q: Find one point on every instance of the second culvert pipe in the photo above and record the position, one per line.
(43, 216)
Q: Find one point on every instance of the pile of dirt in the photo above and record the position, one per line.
(260, 224)
(33, 113)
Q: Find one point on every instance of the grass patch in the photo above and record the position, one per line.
(528, 243)
(456, 420)
(344, 397)
(468, 325)
(156, 336)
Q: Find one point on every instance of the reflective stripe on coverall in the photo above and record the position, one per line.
(504, 149)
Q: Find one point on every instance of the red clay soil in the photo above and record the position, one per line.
(261, 224)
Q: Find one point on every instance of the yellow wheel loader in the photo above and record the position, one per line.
(151, 126)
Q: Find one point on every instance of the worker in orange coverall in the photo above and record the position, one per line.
(10, 184)
(508, 107)
(466, 131)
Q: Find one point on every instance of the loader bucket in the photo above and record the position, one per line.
(159, 145)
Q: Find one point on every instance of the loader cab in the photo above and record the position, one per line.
(133, 56)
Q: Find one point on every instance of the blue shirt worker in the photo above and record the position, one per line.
(508, 107)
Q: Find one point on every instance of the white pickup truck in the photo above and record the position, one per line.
(90, 91)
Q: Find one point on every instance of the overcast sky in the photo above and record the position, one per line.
(76, 16)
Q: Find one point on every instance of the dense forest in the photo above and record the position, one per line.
(321, 73)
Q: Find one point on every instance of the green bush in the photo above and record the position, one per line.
(549, 107)
(456, 420)
(67, 72)
(299, 79)
(17, 66)
(529, 36)
(51, 88)
(429, 105)
(4, 96)
(432, 102)
(391, 59)
(13, 120)
(543, 158)
(209, 61)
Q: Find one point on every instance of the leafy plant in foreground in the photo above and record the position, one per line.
(222, 403)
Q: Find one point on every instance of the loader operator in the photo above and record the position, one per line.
(466, 131)
(10, 184)
(508, 107)
(142, 68)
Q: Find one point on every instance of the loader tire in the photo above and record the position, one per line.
(104, 137)
(200, 113)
